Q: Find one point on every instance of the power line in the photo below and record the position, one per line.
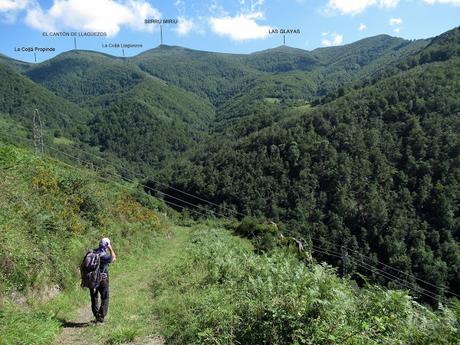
(142, 185)
(163, 184)
(123, 186)
(385, 274)
(390, 267)
(376, 270)
(170, 187)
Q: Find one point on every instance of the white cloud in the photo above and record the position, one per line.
(451, 2)
(93, 15)
(397, 30)
(395, 21)
(13, 5)
(10, 8)
(184, 26)
(333, 39)
(362, 27)
(357, 6)
(241, 27)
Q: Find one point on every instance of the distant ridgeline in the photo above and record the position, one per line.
(355, 148)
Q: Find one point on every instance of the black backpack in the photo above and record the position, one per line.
(90, 273)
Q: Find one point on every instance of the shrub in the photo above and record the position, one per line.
(262, 234)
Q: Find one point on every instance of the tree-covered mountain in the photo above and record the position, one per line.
(282, 59)
(86, 78)
(19, 97)
(214, 76)
(356, 145)
(152, 123)
(13, 63)
(133, 114)
(376, 170)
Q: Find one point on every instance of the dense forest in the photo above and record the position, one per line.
(354, 149)
(196, 284)
(374, 170)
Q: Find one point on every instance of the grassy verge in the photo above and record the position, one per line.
(219, 292)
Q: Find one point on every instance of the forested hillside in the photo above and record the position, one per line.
(375, 171)
(355, 148)
(20, 97)
(173, 284)
(152, 123)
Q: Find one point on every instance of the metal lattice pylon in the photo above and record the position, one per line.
(38, 132)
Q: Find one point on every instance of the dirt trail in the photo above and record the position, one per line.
(72, 333)
(78, 331)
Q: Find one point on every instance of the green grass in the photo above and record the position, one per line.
(131, 312)
(50, 214)
(218, 291)
(31, 327)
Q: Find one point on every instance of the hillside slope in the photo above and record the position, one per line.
(375, 170)
(50, 214)
(189, 285)
(172, 89)
(20, 97)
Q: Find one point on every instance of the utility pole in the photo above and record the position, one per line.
(161, 34)
(38, 132)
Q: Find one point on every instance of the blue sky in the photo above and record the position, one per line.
(235, 26)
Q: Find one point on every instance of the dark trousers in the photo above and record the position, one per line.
(100, 312)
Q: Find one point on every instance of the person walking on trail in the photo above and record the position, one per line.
(96, 277)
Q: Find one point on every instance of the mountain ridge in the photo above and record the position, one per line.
(184, 48)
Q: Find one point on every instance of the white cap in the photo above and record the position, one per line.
(105, 242)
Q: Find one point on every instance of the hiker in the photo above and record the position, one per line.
(98, 283)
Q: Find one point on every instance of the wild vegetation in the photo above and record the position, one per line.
(180, 285)
(219, 291)
(51, 213)
(354, 148)
(373, 170)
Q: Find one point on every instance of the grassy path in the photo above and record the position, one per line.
(130, 319)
